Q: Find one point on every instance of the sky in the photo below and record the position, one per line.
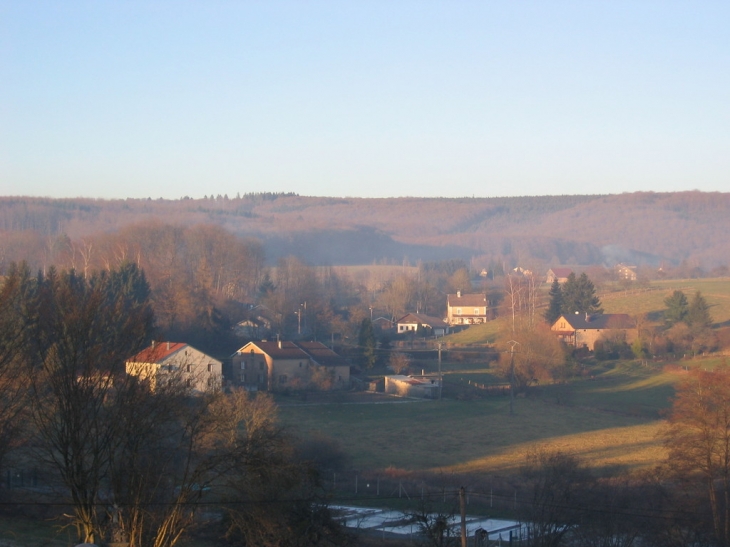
(380, 98)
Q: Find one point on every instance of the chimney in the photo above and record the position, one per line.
(279, 344)
(168, 345)
(588, 318)
(458, 294)
(153, 344)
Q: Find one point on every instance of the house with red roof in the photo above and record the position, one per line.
(177, 362)
(279, 365)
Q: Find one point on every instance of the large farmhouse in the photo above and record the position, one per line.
(276, 366)
(466, 309)
(176, 362)
(584, 330)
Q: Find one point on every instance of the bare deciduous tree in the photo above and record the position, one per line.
(698, 439)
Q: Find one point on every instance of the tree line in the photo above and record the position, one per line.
(134, 461)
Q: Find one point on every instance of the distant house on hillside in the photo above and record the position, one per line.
(581, 330)
(626, 272)
(176, 362)
(276, 366)
(466, 309)
(561, 274)
(413, 321)
(522, 272)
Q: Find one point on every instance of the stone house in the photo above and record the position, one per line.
(176, 362)
(279, 365)
(584, 330)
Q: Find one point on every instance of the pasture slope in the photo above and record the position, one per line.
(611, 417)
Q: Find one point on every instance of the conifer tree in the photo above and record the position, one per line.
(367, 342)
(677, 308)
(555, 306)
(579, 295)
(698, 313)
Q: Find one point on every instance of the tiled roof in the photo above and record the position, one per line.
(323, 355)
(602, 321)
(316, 351)
(468, 300)
(157, 352)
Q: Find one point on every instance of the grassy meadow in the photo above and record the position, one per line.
(611, 417)
(651, 302)
(611, 420)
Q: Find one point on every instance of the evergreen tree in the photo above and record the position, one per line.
(677, 308)
(579, 295)
(698, 313)
(555, 307)
(367, 342)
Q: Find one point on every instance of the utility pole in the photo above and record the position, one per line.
(462, 506)
(512, 344)
(441, 379)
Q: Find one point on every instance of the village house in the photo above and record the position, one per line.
(584, 330)
(625, 272)
(561, 274)
(176, 362)
(413, 321)
(466, 309)
(279, 365)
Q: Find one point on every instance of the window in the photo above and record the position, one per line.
(476, 311)
(243, 365)
(243, 377)
(210, 367)
(188, 368)
(210, 382)
(188, 382)
(300, 364)
(169, 368)
(261, 365)
(261, 378)
(458, 311)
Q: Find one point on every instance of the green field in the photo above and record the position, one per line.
(610, 418)
(716, 292)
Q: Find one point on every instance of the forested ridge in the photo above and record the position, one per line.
(641, 228)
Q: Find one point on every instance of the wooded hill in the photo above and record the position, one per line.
(638, 228)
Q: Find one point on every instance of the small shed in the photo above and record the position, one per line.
(408, 386)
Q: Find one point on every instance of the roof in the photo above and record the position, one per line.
(602, 321)
(316, 351)
(427, 320)
(157, 352)
(323, 355)
(561, 272)
(468, 300)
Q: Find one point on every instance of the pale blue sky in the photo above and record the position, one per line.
(352, 98)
